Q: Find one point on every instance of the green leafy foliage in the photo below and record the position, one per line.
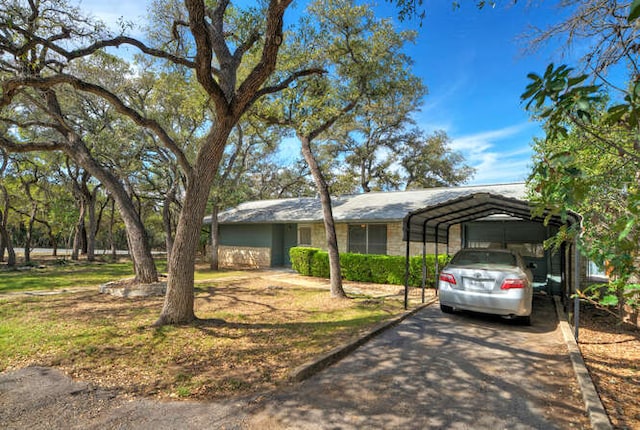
(379, 269)
(588, 163)
(634, 11)
(301, 259)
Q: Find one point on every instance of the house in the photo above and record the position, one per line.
(260, 233)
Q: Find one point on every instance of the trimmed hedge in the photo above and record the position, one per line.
(379, 269)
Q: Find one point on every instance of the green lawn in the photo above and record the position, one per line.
(65, 274)
(252, 332)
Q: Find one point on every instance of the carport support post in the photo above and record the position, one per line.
(576, 287)
(424, 266)
(406, 266)
(437, 264)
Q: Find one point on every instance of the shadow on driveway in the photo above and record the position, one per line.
(431, 371)
(435, 370)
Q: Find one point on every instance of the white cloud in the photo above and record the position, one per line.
(112, 12)
(499, 156)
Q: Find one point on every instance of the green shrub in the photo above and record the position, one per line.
(320, 264)
(301, 259)
(379, 269)
(354, 267)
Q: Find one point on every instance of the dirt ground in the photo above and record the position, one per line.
(611, 352)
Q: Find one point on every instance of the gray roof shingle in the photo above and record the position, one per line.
(373, 207)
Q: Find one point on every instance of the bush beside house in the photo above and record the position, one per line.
(379, 269)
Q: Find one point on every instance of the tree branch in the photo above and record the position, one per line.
(327, 124)
(11, 146)
(204, 52)
(285, 83)
(88, 50)
(11, 86)
(267, 63)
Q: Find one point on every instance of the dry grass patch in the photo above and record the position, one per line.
(252, 333)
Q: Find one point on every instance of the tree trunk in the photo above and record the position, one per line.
(166, 219)
(91, 228)
(364, 180)
(6, 237)
(327, 214)
(4, 230)
(77, 238)
(179, 299)
(112, 221)
(11, 253)
(29, 236)
(214, 264)
(145, 269)
(3, 239)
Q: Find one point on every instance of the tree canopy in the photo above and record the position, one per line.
(153, 134)
(590, 157)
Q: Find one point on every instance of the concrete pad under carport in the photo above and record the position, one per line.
(461, 371)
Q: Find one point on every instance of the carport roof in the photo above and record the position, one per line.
(431, 223)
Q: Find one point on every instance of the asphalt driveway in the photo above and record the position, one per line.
(431, 371)
(440, 371)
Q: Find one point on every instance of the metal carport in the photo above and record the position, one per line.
(431, 225)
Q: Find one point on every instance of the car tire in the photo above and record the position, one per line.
(525, 320)
(446, 309)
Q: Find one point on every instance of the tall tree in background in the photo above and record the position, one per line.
(363, 67)
(6, 240)
(34, 74)
(428, 161)
(371, 143)
(233, 55)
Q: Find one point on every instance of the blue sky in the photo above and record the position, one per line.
(473, 64)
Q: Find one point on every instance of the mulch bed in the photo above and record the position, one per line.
(611, 351)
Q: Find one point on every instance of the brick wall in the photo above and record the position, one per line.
(395, 244)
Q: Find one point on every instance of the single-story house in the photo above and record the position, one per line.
(261, 233)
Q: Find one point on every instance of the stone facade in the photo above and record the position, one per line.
(395, 244)
(244, 256)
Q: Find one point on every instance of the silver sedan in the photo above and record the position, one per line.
(493, 281)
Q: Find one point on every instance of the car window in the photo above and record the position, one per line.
(484, 257)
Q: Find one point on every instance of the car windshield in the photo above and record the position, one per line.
(483, 257)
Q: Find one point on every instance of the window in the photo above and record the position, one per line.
(533, 250)
(368, 238)
(304, 236)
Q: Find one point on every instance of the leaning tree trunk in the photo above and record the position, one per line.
(166, 218)
(145, 269)
(327, 214)
(112, 241)
(11, 253)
